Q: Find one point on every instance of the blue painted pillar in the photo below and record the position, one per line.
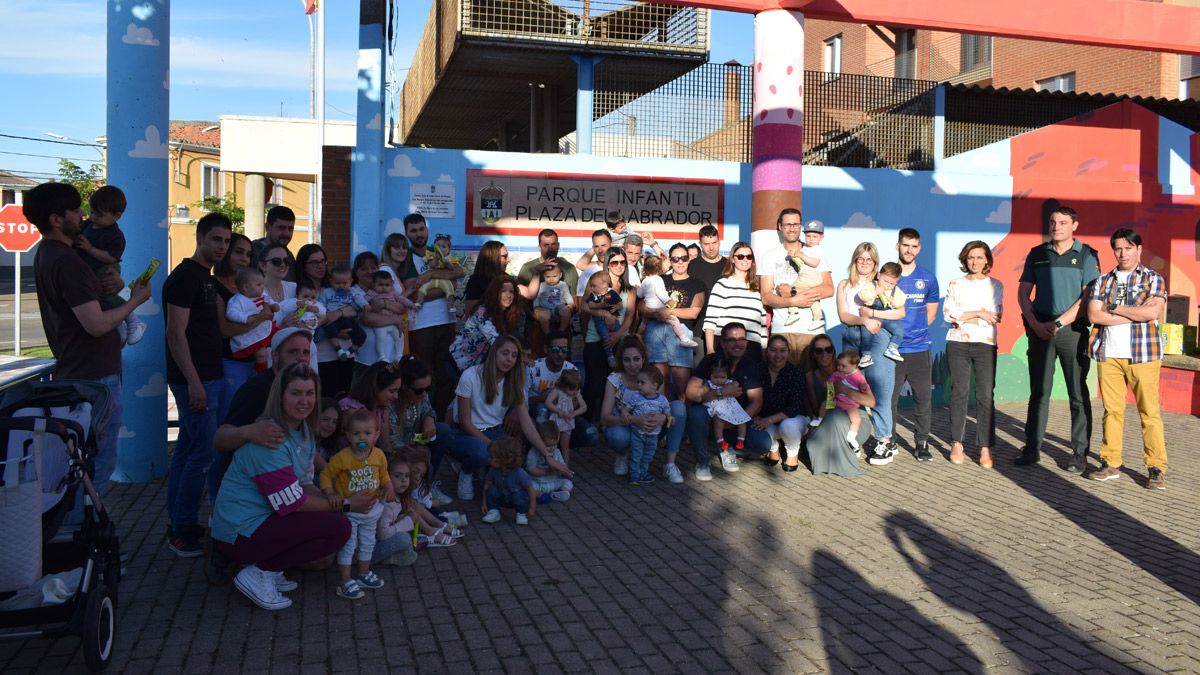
(139, 48)
(367, 161)
(584, 101)
(939, 126)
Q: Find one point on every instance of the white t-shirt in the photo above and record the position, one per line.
(1118, 339)
(484, 414)
(654, 291)
(433, 312)
(584, 277)
(539, 378)
(774, 263)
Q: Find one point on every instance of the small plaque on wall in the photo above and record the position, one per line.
(432, 200)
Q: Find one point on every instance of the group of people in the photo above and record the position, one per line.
(317, 402)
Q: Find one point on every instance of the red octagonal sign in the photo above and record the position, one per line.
(17, 234)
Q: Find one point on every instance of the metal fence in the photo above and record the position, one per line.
(849, 120)
(609, 23)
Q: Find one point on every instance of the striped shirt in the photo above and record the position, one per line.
(1145, 338)
(732, 300)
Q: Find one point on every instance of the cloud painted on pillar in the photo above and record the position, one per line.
(445, 178)
(126, 432)
(402, 167)
(376, 123)
(150, 147)
(393, 225)
(148, 308)
(139, 36)
(155, 386)
(142, 12)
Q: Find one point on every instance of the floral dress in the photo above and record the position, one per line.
(471, 344)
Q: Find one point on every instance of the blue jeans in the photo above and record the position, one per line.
(620, 439)
(861, 340)
(584, 435)
(882, 378)
(439, 447)
(236, 374)
(641, 452)
(193, 455)
(518, 499)
(699, 428)
(470, 451)
(108, 424)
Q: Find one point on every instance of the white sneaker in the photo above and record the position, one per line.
(729, 461)
(621, 466)
(817, 326)
(703, 473)
(466, 486)
(673, 473)
(560, 495)
(522, 519)
(815, 422)
(455, 518)
(259, 587)
(282, 583)
(852, 439)
(439, 498)
(137, 330)
(866, 361)
(492, 516)
(689, 342)
(892, 353)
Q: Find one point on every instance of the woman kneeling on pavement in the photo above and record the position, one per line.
(619, 424)
(486, 393)
(263, 518)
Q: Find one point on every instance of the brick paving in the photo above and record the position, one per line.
(910, 568)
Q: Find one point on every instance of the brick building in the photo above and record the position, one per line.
(837, 47)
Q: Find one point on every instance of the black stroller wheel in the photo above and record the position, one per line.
(99, 629)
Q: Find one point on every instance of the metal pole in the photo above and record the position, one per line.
(320, 87)
(17, 305)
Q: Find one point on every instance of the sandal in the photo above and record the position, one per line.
(439, 539)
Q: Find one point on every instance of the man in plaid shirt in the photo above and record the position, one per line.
(1124, 308)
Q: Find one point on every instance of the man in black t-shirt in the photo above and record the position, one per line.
(195, 376)
(744, 384)
(82, 334)
(707, 267)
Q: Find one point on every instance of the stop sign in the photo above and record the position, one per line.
(17, 235)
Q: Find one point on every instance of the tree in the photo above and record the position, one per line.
(84, 181)
(227, 207)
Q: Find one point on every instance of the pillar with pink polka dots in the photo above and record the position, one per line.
(778, 129)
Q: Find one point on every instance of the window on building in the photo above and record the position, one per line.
(976, 51)
(833, 57)
(906, 54)
(1064, 82)
(210, 181)
(1189, 77)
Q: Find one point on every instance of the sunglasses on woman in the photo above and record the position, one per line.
(822, 350)
(278, 262)
(742, 256)
(679, 258)
(614, 263)
(559, 350)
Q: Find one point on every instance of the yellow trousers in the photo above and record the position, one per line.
(1115, 376)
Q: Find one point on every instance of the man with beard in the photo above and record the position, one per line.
(548, 250)
(777, 268)
(430, 330)
(82, 335)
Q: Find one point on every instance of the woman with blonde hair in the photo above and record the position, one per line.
(486, 393)
(853, 311)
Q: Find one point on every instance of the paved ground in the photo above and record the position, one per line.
(911, 568)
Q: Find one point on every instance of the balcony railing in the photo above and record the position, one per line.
(589, 23)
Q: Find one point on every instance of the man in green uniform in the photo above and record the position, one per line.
(1061, 271)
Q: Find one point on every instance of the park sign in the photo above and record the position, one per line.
(574, 205)
(17, 234)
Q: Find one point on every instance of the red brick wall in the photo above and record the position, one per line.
(335, 204)
(1098, 70)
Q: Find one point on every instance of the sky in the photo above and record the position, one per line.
(228, 57)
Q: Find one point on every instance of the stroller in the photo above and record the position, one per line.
(55, 585)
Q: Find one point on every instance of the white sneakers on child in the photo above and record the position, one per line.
(892, 353)
(688, 341)
(866, 361)
(492, 516)
(137, 330)
(852, 439)
(522, 519)
(560, 495)
(261, 588)
(621, 466)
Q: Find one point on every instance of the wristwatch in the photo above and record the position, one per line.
(1112, 308)
(345, 506)
(1058, 323)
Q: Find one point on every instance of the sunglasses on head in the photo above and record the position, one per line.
(558, 350)
(822, 350)
(742, 256)
(278, 262)
(679, 258)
